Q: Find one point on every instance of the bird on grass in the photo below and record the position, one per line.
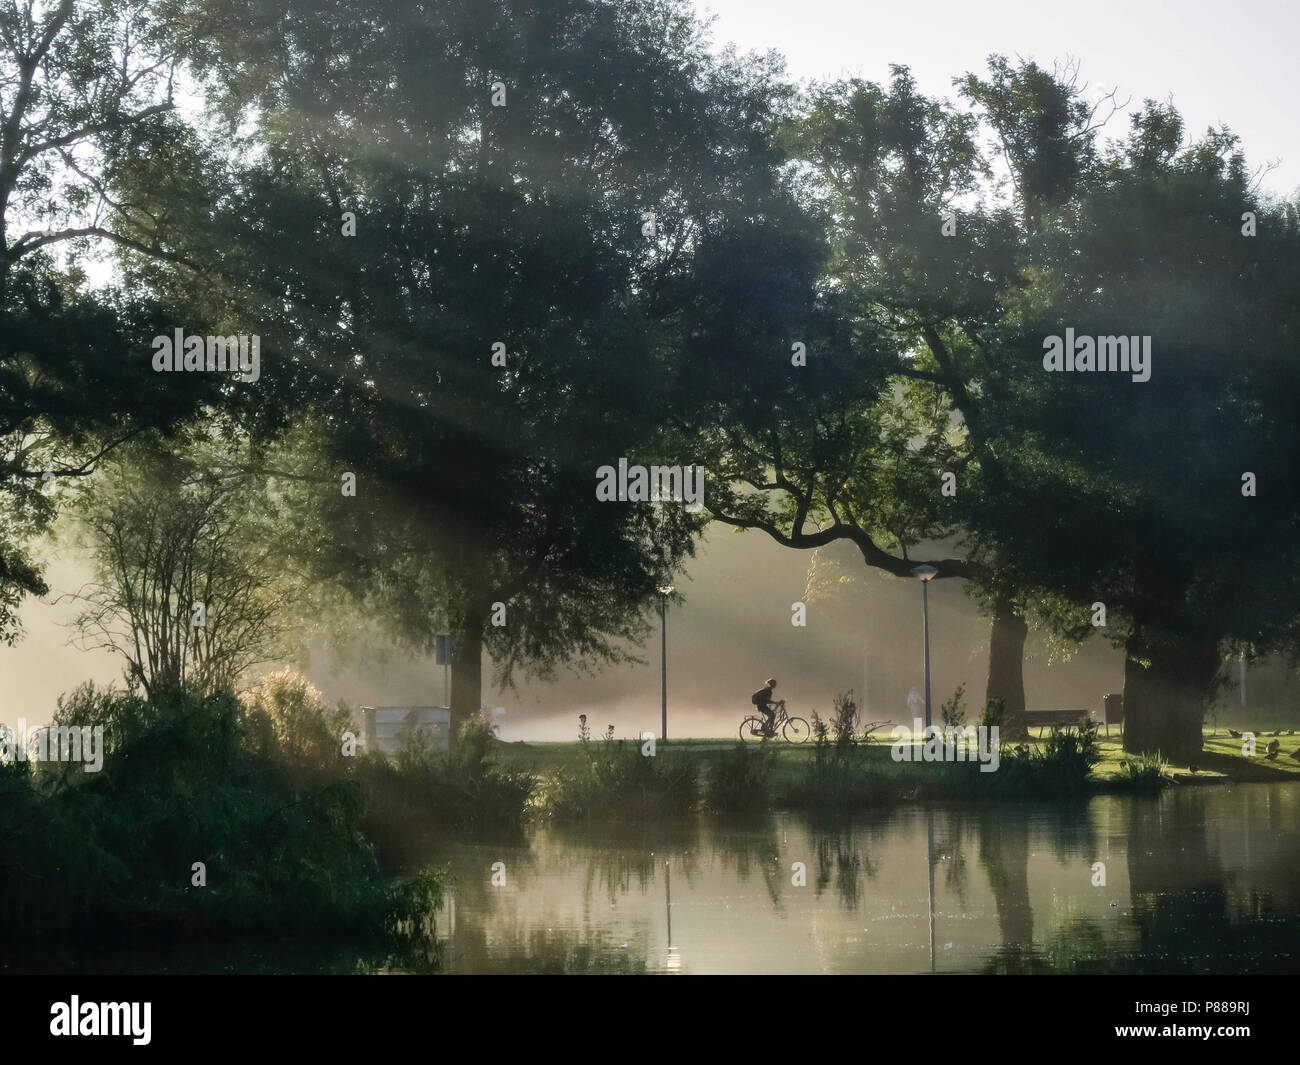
(1234, 733)
(1296, 754)
(1192, 767)
(1272, 749)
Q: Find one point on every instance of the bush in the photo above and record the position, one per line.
(180, 785)
(951, 712)
(738, 779)
(1063, 764)
(425, 790)
(994, 713)
(1143, 772)
(613, 778)
(840, 777)
(285, 717)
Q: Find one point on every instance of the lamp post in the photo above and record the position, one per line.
(929, 853)
(673, 963)
(665, 590)
(926, 573)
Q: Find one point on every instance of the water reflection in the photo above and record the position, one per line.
(1197, 880)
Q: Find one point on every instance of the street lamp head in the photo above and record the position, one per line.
(924, 571)
(666, 589)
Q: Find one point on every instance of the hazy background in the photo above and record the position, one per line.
(1219, 64)
(731, 633)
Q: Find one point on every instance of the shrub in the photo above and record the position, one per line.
(179, 785)
(1143, 772)
(1063, 764)
(994, 713)
(613, 778)
(286, 715)
(425, 790)
(840, 776)
(738, 779)
(951, 711)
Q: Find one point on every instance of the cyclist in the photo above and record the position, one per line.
(764, 701)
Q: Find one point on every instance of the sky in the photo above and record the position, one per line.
(1218, 63)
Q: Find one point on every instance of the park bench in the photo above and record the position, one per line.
(1054, 719)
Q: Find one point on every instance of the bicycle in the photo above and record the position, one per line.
(792, 729)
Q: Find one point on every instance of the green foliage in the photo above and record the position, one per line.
(612, 778)
(183, 784)
(738, 779)
(1143, 772)
(1061, 765)
(422, 789)
(994, 713)
(841, 776)
(951, 711)
(285, 715)
(477, 487)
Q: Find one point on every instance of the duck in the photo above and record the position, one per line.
(1296, 754)
(1272, 748)
(1234, 733)
(1192, 767)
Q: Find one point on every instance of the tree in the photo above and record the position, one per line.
(527, 187)
(84, 90)
(1131, 492)
(1055, 510)
(188, 582)
(857, 443)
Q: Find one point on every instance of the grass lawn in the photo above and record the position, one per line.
(1221, 759)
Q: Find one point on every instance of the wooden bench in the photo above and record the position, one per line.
(1054, 719)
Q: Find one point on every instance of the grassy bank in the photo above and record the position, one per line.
(225, 818)
(786, 775)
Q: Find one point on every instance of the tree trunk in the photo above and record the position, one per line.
(1164, 703)
(1007, 670)
(1004, 853)
(466, 673)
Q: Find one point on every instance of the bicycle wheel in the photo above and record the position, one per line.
(749, 726)
(796, 730)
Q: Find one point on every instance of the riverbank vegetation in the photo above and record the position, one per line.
(210, 816)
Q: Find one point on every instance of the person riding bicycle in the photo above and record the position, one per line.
(764, 701)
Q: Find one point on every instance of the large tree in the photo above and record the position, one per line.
(1070, 489)
(85, 93)
(1131, 493)
(855, 444)
(534, 177)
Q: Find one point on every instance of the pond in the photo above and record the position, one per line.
(1199, 879)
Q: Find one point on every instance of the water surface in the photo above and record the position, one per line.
(1199, 879)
